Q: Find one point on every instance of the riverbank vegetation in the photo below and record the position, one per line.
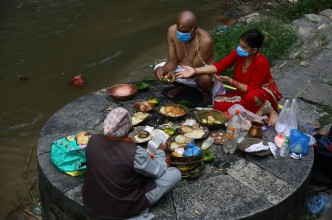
(302, 7)
(279, 35)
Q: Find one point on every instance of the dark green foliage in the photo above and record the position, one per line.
(303, 7)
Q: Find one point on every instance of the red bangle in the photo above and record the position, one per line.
(235, 83)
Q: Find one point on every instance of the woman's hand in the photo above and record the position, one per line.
(186, 73)
(224, 79)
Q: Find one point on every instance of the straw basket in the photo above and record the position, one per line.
(190, 167)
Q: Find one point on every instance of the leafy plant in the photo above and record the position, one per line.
(302, 7)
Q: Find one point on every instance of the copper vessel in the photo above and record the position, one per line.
(256, 129)
(122, 92)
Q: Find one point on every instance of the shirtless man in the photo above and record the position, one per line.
(189, 45)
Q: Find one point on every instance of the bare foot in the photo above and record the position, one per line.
(172, 93)
(272, 118)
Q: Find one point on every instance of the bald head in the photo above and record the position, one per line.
(186, 19)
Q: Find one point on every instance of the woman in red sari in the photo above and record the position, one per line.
(256, 89)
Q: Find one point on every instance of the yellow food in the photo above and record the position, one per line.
(174, 154)
(184, 168)
(82, 140)
(173, 111)
(70, 138)
(154, 101)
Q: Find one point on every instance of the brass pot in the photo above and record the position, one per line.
(256, 129)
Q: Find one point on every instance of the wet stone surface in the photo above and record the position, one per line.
(231, 187)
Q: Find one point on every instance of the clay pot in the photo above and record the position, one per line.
(256, 129)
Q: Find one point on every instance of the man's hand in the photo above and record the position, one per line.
(163, 147)
(171, 75)
(160, 73)
(186, 73)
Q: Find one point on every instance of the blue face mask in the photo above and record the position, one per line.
(241, 52)
(183, 37)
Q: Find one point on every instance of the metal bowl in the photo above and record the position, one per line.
(122, 92)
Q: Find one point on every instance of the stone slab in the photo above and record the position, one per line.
(219, 197)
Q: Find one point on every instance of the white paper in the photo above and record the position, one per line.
(160, 137)
(257, 147)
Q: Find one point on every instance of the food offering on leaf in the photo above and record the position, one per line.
(166, 80)
(143, 134)
(196, 131)
(140, 135)
(70, 138)
(170, 131)
(218, 137)
(179, 141)
(139, 138)
(139, 117)
(182, 139)
(82, 138)
(143, 106)
(211, 118)
(173, 111)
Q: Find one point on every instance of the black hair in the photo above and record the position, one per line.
(253, 38)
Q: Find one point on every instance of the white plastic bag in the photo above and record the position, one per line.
(287, 118)
(245, 115)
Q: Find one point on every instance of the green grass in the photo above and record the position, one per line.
(302, 7)
(278, 39)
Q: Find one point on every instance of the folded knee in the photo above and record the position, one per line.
(175, 173)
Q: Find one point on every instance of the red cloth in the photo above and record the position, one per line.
(256, 75)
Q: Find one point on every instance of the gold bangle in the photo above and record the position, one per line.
(195, 72)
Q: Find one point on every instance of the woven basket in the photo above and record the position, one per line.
(190, 167)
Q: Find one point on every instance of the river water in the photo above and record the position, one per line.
(44, 43)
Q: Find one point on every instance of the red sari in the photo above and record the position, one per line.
(256, 75)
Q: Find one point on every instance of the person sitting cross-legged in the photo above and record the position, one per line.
(122, 181)
(256, 90)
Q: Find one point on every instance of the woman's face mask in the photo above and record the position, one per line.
(184, 37)
(242, 52)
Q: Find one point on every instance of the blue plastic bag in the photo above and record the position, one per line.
(317, 203)
(298, 142)
(192, 150)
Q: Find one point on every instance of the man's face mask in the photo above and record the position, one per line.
(184, 37)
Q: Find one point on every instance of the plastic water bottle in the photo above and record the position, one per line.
(233, 132)
(284, 150)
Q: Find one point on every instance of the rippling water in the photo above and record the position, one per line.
(50, 41)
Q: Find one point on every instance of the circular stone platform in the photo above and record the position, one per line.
(237, 186)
